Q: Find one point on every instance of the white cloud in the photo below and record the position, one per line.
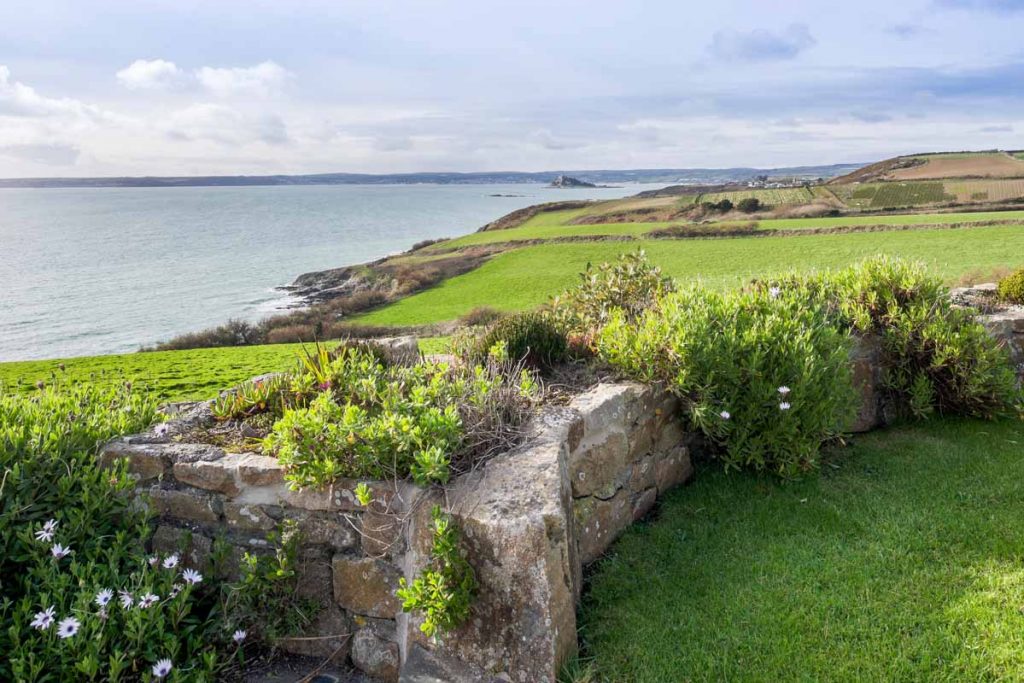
(225, 125)
(260, 80)
(150, 74)
(18, 99)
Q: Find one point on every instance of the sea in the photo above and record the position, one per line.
(108, 270)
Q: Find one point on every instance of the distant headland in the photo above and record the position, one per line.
(591, 178)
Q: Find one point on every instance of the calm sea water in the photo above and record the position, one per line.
(91, 271)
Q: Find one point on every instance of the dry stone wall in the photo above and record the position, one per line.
(531, 519)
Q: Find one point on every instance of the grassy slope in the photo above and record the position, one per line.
(553, 225)
(529, 276)
(902, 563)
(172, 375)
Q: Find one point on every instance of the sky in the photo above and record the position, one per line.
(225, 87)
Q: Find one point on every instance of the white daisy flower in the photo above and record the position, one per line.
(783, 390)
(59, 551)
(162, 668)
(43, 620)
(192, 576)
(147, 600)
(175, 589)
(774, 292)
(724, 415)
(126, 599)
(153, 561)
(170, 562)
(68, 627)
(784, 406)
(238, 636)
(104, 597)
(46, 533)
(161, 429)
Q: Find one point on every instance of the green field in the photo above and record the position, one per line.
(901, 561)
(170, 375)
(529, 276)
(553, 226)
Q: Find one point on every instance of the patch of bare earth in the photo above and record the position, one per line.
(977, 166)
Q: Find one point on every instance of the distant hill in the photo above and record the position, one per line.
(939, 166)
(689, 176)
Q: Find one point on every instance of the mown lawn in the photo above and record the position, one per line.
(529, 276)
(902, 561)
(170, 375)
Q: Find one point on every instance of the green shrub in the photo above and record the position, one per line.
(936, 357)
(355, 416)
(1011, 287)
(531, 337)
(443, 591)
(630, 285)
(749, 205)
(762, 373)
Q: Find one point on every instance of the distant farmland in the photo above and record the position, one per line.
(781, 196)
(986, 190)
(968, 165)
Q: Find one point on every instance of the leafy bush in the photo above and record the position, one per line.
(936, 357)
(353, 415)
(231, 333)
(444, 591)
(481, 315)
(749, 205)
(79, 599)
(532, 337)
(1011, 287)
(763, 374)
(630, 285)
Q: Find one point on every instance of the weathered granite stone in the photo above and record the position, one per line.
(517, 526)
(245, 517)
(599, 522)
(196, 549)
(375, 656)
(186, 504)
(330, 635)
(381, 531)
(673, 469)
(644, 503)
(144, 463)
(607, 404)
(642, 474)
(336, 530)
(315, 580)
(366, 586)
(425, 666)
(217, 475)
(260, 470)
(865, 361)
(596, 464)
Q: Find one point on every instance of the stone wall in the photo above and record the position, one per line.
(532, 520)
(350, 556)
